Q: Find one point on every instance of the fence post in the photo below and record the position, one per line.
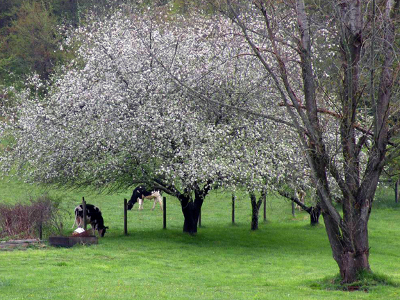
(293, 210)
(164, 213)
(265, 207)
(233, 208)
(84, 213)
(125, 217)
(41, 230)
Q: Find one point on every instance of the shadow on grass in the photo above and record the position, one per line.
(301, 238)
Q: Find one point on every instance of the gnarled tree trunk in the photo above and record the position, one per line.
(191, 209)
(315, 212)
(255, 208)
(350, 249)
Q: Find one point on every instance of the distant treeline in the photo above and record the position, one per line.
(30, 39)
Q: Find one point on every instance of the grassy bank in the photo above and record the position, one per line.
(284, 259)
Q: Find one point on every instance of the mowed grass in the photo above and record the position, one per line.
(284, 259)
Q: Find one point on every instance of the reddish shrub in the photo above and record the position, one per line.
(24, 220)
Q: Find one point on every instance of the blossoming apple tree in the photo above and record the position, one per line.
(149, 102)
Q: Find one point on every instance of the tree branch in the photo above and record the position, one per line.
(334, 114)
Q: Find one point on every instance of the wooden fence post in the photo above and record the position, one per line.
(40, 226)
(41, 230)
(293, 210)
(265, 208)
(84, 213)
(233, 208)
(125, 217)
(164, 213)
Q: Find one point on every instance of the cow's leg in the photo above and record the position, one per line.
(140, 200)
(73, 225)
(154, 203)
(76, 214)
(79, 221)
(160, 200)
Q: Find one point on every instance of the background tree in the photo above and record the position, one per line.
(33, 43)
(31, 34)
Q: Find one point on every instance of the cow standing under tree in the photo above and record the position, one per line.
(140, 193)
(93, 216)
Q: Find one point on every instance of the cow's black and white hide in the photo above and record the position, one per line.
(93, 216)
(140, 193)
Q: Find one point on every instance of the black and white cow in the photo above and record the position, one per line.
(93, 216)
(140, 193)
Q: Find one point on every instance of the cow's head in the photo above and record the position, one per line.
(102, 231)
(131, 203)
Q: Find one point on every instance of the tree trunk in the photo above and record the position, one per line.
(349, 248)
(314, 212)
(191, 216)
(352, 263)
(255, 205)
(191, 209)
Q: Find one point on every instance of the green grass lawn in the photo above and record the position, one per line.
(284, 259)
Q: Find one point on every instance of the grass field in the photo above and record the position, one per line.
(284, 259)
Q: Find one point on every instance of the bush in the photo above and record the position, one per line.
(24, 220)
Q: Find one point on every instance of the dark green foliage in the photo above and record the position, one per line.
(32, 43)
(8, 9)
(30, 40)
